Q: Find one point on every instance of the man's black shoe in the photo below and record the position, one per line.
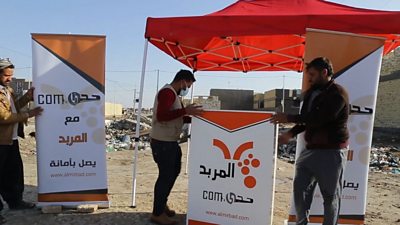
(2, 220)
(22, 205)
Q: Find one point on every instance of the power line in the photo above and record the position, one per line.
(16, 51)
(129, 71)
(110, 71)
(246, 77)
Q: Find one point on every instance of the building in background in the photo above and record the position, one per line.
(258, 103)
(234, 99)
(279, 100)
(20, 86)
(208, 102)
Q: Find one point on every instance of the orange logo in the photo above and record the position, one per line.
(350, 155)
(246, 164)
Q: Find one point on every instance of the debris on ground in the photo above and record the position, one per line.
(120, 133)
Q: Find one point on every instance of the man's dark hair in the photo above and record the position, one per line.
(184, 75)
(2, 70)
(320, 64)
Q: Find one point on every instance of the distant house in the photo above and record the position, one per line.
(279, 100)
(232, 99)
(207, 102)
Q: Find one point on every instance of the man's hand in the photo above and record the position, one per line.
(194, 110)
(284, 138)
(29, 93)
(35, 112)
(279, 118)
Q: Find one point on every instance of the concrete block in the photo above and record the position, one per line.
(87, 208)
(52, 209)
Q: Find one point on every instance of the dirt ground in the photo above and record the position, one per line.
(383, 194)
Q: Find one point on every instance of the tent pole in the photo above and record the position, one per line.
(189, 134)
(137, 134)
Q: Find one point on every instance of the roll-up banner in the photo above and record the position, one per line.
(231, 168)
(356, 61)
(68, 76)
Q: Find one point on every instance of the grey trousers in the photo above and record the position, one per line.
(325, 168)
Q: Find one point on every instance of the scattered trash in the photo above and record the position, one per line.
(287, 152)
(383, 158)
(120, 133)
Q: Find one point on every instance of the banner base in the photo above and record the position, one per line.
(100, 204)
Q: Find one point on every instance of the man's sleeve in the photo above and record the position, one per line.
(294, 118)
(297, 129)
(166, 99)
(187, 119)
(6, 116)
(22, 101)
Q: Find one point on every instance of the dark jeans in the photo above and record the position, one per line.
(168, 156)
(325, 167)
(11, 174)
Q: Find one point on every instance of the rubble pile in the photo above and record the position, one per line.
(385, 159)
(120, 134)
(287, 152)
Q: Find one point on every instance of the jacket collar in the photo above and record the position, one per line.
(7, 89)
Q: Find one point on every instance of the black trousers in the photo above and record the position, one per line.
(168, 156)
(11, 174)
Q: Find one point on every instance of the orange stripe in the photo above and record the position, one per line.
(83, 51)
(196, 222)
(241, 149)
(221, 145)
(350, 155)
(234, 120)
(71, 197)
(320, 219)
(342, 50)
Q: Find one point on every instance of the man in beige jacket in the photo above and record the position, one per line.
(11, 126)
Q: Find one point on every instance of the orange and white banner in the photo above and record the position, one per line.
(69, 75)
(356, 61)
(231, 168)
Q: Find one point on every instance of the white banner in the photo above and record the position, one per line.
(70, 134)
(231, 169)
(358, 73)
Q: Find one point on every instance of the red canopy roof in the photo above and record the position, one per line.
(263, 35)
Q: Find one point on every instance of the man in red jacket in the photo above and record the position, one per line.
(323, 117)
(168, 118)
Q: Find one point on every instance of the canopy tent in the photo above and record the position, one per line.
(257, 35)
(263, 35)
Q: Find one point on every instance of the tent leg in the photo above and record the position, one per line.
(137, 134)
(189, 135)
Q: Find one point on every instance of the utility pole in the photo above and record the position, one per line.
(134, 101)
(158, 78)
(114, 106)
(283, 95)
